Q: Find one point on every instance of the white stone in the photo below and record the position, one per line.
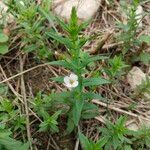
(85, 8)
(135, 77)
(3, 10)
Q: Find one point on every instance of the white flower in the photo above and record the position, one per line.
(139, 15)
(71, 81)
(21, 2)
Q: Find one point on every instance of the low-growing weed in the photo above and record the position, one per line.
(90, 145)
(76, 61)
(143, 89)
(31, 26)
(11, 116)
(142, 138)
(116, 135)
(8, 143)
(128, 35)
(116, 67)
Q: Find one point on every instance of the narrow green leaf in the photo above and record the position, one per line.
(3, 49)
(89, 111)
(63, 24)
(70, 124)
(84, 142)
(145, 38)
(91, 95)
(74, 18)
(102, 141)
(56, 114)
(62, 63)
(94, 58)
(95, 81)
(60, 39)
(77, 109)
(12, 144)
(58, 79)
(3, 38)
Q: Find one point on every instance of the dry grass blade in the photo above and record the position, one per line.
(23, 92)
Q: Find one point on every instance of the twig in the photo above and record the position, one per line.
(77, 144)
(19, 97)
(23, 92)
(23, 72)
(56, 146)
(120, 110)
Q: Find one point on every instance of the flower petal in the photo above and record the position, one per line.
(67, 80)
(68, 85)
(73, 77)
(75, 84)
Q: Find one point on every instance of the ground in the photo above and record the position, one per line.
(25, 75)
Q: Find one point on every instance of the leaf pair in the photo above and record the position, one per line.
(90, 145)
(11, 144)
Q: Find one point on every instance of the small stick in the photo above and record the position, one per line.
(16, 94)
(55, 144)
(77, 144)
(23, 92)
(23, 72)
(119, 110)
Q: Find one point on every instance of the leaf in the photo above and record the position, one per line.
(74, 18)
(145, 38)
(84, 25)
(93, 58)
(145, 57)
(60, 96)
(60, 39)
(102, 141)
(70, 124)
(77, 109)
(56, 114)
(48, 15)
(62, 63)
(89, 111)
(3, 49)
(4, 134)
(3, 89)
(3, 38)
(58, 79)
(84, 142)
(95, 81)
(91, 95)
(63, 24)
(12, 144)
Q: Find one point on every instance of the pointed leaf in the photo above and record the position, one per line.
(62, 63)
(102, 141)
(95, 81)
(63, 24)
(89, 111)
(84, 142)
(60, 39)
(93, 58)
(3, 48)
(3, 38)
(91, 95)
(77, 109)
(58, 79)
